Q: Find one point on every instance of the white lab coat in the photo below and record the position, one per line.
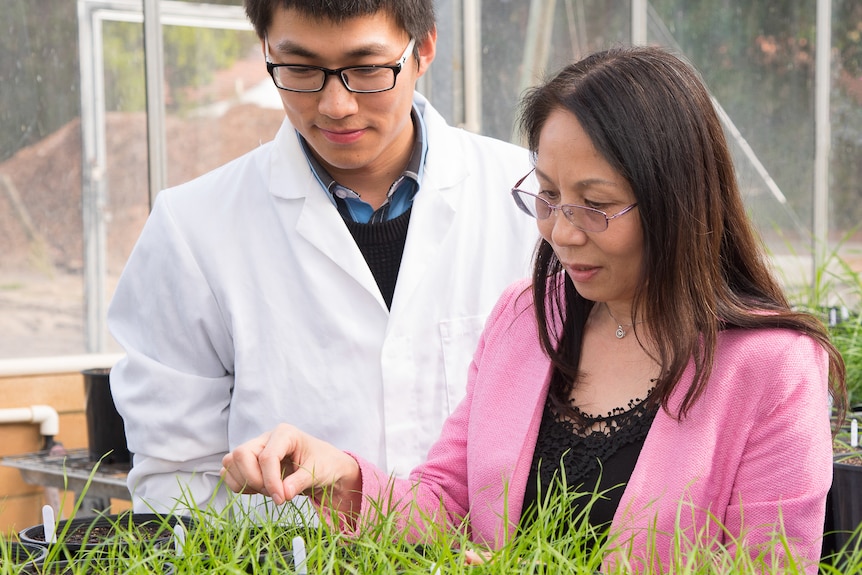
(247, 303)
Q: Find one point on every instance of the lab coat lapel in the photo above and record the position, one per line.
(430, 220)
(434, 207)
(304, 208)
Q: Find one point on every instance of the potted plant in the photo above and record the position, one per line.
(845, 497)
(237, 545)
(835, 295)
(105, 544)
(844, 322)
(153, 564)
(844, 503)
(85, 533)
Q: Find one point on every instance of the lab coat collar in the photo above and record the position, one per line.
(292, 179)
(310, 212)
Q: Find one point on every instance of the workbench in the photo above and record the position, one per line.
(95, 483)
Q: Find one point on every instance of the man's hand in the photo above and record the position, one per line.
(286, 462)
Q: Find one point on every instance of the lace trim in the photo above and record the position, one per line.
(582, 444)
(587, 424)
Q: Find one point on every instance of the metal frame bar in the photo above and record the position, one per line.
(154, 65)
(472, 33)
(91, 15)
(822, 134)
(639, 22)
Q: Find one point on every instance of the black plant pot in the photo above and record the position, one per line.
(261, 552)
(100, 566)
(845, 501)
(94, 535)
(277, 561)
(106, 432)
(19, 555)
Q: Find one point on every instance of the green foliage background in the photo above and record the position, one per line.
(39, 73)
(191, 55)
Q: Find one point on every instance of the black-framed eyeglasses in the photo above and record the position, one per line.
(359, 79)
(582, 217)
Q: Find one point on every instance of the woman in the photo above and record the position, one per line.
(653, 349)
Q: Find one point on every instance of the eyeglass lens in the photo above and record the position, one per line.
(360, 79)
(528, 198)
(582, 217)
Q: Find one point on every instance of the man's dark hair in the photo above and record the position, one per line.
(415, 16)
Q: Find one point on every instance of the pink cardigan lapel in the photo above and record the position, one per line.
(507, 410)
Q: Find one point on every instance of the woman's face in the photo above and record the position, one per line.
(604, 266)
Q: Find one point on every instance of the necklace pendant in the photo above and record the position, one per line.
(620, 333)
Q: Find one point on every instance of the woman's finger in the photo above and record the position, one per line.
(287, 462)
(240, 467)
(280, 457)
(473, 558)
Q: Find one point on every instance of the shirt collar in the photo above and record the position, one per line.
(415, 165)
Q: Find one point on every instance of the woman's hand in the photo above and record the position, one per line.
(286, 462)
(476, 557)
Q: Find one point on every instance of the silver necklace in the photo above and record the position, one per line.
(620, 332)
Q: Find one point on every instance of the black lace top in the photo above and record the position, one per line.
(597, 454)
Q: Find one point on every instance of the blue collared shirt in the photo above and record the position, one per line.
(401, 192)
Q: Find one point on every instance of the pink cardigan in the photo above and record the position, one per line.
(753, 452)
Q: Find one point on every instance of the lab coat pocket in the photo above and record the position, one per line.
(459, 338)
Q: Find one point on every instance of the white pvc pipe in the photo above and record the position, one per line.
(45, 415)
(58, 364)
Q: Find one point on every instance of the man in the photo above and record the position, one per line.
(336, 278)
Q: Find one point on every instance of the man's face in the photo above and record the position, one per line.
(353, 135)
